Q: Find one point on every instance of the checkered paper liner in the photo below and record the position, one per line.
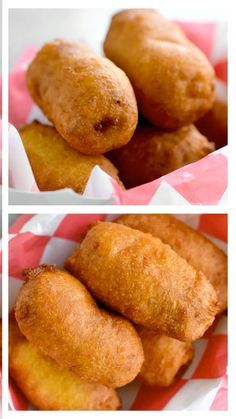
(203, 182)
(203, 386)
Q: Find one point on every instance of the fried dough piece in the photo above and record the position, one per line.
(214, 123)
(173, 81)
(153, 153)
(48, 386)
(163, 357)
(57, 314)
(145, 280)
(1, 343)
(90, 101)
(55, 164)
(199, 252)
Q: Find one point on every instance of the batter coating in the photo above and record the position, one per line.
(173, 81)
(55, 164)
(48, 386)
(89, 100)
(145, 280)
(99, 347)
(153, 153)
(163, 357)
(214, 124)
(199, 252)
(0, 343)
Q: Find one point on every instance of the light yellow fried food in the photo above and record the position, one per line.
(90, 101)
(57, 314)
(145, 280)
(55, 164)
(153, 153)
(199, 252)
(173, 81)
(214, 123)
(163, 357)
(48, 386)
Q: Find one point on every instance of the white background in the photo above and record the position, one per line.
(37, 26)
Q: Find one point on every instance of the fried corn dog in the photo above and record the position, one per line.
(199, 252)
(173, 81)
(48, 386)
(89, 100)
(214, 123)
(163, 357)
(145, 280)
(153, 153)
(1, 343)
(98, 346)
(55, 164)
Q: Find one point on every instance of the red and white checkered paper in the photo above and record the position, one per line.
(51, 238)
(203, 182)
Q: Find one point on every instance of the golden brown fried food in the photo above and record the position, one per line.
(50, 387)
(144, 279)
(0, 343)
(57, 314)
(214, 123)
(199, 252)
(173, 81)
(153, 153)
(163, 357)
(90, 101)
(55, 164)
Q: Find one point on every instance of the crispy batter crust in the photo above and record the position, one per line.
(145, 280)
(50, 387)
(1, 343)
(199, 252)
(173, 81)
(214, 123)
(153, 153)
(90, 101)
(55, 164)
(57, 314)
(163, 357)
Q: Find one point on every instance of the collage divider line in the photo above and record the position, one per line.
(5, 208)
